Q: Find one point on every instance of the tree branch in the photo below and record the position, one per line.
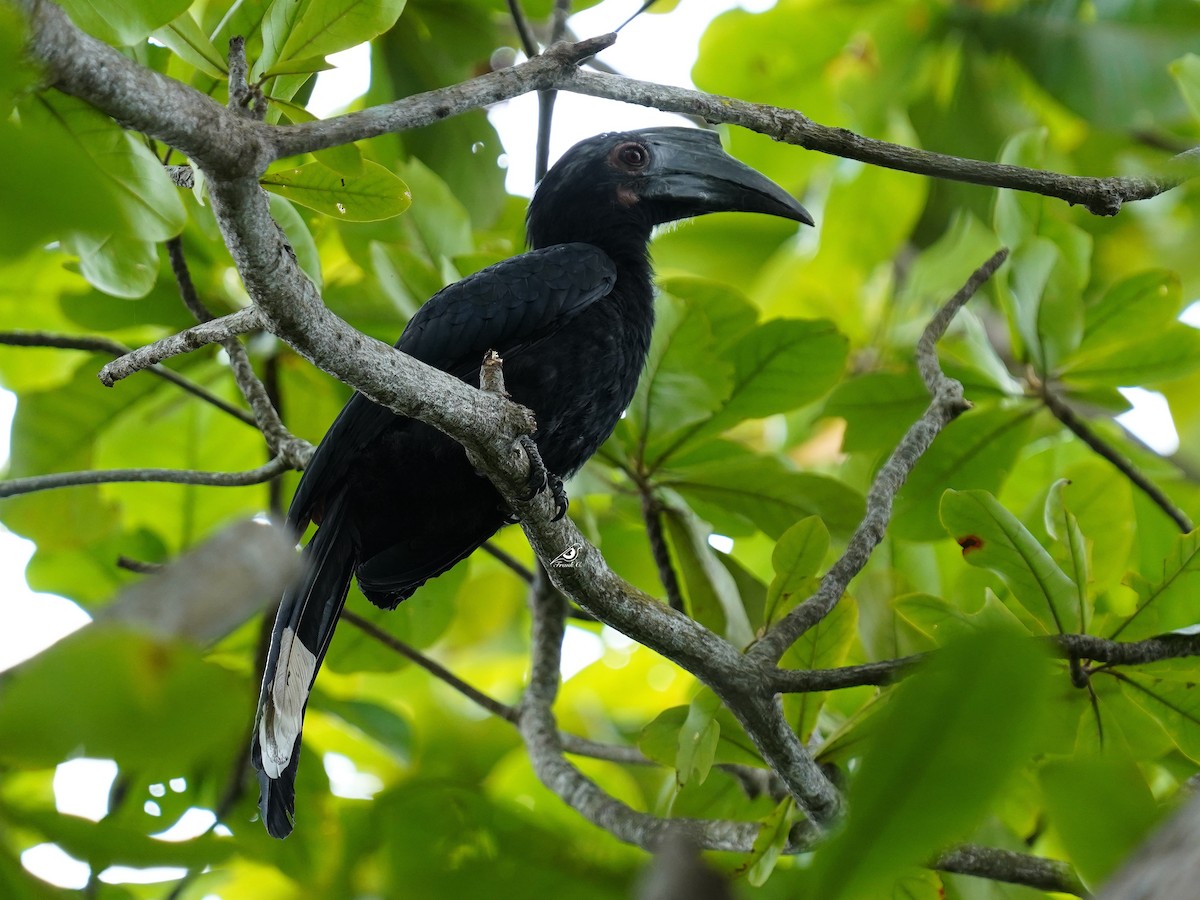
(947, 404)
(33, 483)
(1101, 196)
(280, 441)
(1015, 868)
(540, 732)
(1080, 428)
(95, 344)
(213, 332)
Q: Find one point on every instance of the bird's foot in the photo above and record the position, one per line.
(540, 479)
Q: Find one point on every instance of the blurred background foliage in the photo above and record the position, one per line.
(780, 378)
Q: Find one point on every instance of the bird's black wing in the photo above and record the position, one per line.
(502, 307)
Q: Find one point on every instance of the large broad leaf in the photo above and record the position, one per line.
(1170, 352)
(1106, 62)
(103, 844)
(778, 366)
(1097, 844)
(33, 158)
(1132, 309)
(976, 450)
(148, 203)
(150, 704)
(312, 28)
(117, 264)
(372, 194)
(879, 407)
(187, 40)
(946, 745)
(712, 594)
(123, 23)
(684, 380)
(1168, 601)
(735, 489)
(993, 538)
(1063, 526)
(698, 739)
(1169, 693)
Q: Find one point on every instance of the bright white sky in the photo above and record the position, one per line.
(658, 48)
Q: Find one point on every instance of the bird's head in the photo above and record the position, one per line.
(631, 181)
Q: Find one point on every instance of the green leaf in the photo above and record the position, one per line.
(976, 450)
(778, 366)
(796, 558)
(659, 740)
(299, 236)
(1049, 312)
(151, 704)
(1127, 311)
(1106, 62)
(712, 596)
(945, 746)
(769, 844)
(1169, 693)
(683, 381)
(1169, 601)
(698, 739)
(1062, 525)
(104, 844)
(993, 538)
(1097, 844)
(311, 28)
(184, 36)
(373, 194)
(1186, 72)
(115, 263)
(389, 728)
(304, 66)
(736, 488)
(149, 205)
(1170, 352)
(879, 407)
(123, 23)
(823, 646)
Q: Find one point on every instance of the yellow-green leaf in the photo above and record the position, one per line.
(373, 194)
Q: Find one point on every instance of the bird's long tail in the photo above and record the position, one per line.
(308, 613)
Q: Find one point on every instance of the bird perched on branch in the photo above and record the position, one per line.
(396, 501)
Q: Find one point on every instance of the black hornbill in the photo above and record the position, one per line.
(397, 502)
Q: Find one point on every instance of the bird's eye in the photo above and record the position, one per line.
(632, 156)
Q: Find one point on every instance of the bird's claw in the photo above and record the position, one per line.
(540, 479)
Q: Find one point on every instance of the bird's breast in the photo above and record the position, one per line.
(579, 380)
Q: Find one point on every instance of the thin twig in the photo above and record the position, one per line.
(946, 405)
(280, 441)
(33, 483)
(248, 319)
(523, 572)
(571, 743)
(95, 344)
(1068, 646)
(1077, 426)
(652, 515)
